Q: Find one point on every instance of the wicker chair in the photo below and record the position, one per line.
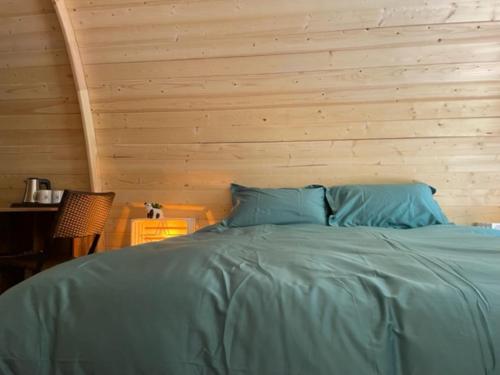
(80, 215)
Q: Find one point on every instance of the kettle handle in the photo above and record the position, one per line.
(45, 182)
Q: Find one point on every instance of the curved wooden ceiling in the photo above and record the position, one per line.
(40, 128)
(82, 93)
(190, 95)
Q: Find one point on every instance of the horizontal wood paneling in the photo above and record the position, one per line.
(40, 121)
(317, 114)
(344, 79)
(125, 131)
(439, 154)
(189, 96)
(24, 7)
(33, 32)
(294, 43)
(344, 15)
(40, 126)
(431, 53)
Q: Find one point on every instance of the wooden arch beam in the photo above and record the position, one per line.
(82, 92)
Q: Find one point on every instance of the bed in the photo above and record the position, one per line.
(266, 299)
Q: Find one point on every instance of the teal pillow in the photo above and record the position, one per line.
(255, 206)
(393, 206)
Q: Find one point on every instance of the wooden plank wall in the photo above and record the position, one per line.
(40, 127)
(190, 95)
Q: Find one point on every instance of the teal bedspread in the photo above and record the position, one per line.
(266, 300)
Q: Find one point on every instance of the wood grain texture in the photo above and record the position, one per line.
(189, 96)
(293, 43)
(82, 93)
(40, 127)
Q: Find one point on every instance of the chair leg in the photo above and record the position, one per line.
(94, 244)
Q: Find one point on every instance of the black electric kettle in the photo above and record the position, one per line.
(33, 184)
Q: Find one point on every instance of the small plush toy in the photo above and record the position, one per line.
(153, 210)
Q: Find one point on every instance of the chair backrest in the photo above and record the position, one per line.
(82, 214)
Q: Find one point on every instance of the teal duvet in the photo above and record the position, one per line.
(295, 299)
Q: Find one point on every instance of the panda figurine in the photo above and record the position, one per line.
(153, 210)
